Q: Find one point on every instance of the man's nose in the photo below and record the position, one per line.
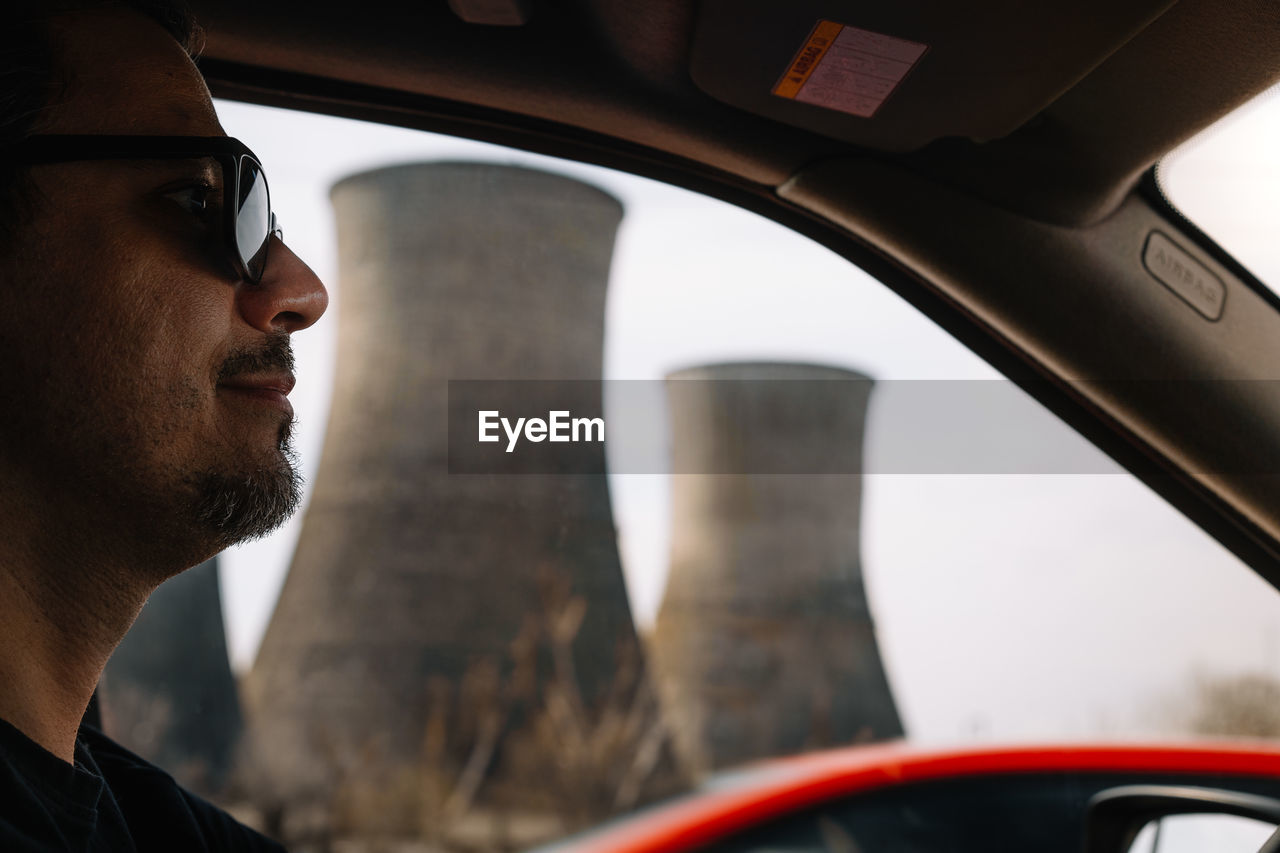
(288, 299)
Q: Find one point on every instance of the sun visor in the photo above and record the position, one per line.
(898, 75)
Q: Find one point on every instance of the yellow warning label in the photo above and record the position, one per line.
(807, 58)
(848, 69)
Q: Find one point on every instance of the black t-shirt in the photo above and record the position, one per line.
(110, 800)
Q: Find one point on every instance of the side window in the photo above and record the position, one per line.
(809, 518)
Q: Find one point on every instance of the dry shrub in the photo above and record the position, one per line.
(1236, 706)
(512, 754)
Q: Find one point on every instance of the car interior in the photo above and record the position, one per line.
(994, 164)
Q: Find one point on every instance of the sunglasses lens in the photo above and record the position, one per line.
(253, 218)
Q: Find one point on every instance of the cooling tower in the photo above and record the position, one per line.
(406, 577)
(764, 643)
(168, 692)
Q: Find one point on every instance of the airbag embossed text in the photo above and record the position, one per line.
(1184, 275)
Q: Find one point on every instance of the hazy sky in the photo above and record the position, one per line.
(1006, 606)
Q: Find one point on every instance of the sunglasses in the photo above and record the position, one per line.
(248, 223)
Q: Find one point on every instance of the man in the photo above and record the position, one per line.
(145, 313)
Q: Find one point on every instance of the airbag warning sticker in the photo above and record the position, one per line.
(848, 69)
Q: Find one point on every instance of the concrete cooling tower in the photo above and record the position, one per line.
(764, 643)
(406, 577)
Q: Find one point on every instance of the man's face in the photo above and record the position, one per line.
(144, 379)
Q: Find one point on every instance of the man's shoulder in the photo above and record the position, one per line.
(159, 812)
(110, 800)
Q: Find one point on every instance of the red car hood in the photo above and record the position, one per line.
(737, 799)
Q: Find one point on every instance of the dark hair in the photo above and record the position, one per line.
(29, 78)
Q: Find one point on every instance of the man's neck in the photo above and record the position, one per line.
(61, 625)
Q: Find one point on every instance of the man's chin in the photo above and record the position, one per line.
(240, 506)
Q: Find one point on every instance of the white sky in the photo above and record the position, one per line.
(1006, 607)
(1227, 180)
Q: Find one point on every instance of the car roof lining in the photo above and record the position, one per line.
(898, 76)
(623, 70)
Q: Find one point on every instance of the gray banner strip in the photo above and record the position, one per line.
(806, 427)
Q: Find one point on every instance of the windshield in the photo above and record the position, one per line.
(485, 659)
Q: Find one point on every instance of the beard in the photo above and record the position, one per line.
(159, 486)
(245, 506)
